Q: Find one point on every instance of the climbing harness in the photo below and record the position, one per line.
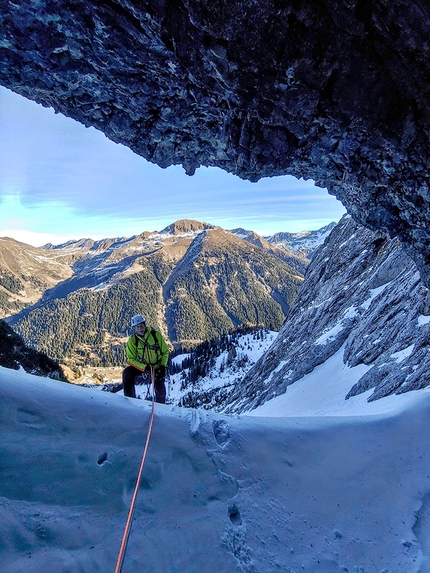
(148, 347)
(139, 477)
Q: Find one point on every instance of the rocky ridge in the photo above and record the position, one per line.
(305, 242)
(363, 294)
(297, 258)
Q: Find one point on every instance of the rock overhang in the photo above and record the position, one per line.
(333, 90)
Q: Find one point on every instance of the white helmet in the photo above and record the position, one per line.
(137, 319)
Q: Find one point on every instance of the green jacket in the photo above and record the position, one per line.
(144, 350)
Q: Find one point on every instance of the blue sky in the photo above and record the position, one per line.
(61, 181)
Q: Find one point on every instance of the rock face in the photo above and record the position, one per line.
(361, 292)
(331, 90)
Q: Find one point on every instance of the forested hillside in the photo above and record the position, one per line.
(91, 325)
(16, 355)
(204, 377)
(26, 273)
(192, 281)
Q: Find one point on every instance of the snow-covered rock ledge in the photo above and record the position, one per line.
(219, 493)
(361, 292)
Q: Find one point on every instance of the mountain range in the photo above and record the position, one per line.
(362, 306)
(192, 280)
(304, 243)
(358, 331)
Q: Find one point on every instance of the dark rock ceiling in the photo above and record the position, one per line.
(333, 90)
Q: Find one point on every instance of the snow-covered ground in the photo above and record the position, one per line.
(219, 494)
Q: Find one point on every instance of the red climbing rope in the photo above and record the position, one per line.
(136, 489)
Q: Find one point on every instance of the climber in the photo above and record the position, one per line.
(145, 348)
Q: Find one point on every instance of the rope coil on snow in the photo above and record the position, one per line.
(126, 535)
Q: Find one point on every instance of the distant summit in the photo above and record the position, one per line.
(251, 237)
(186, 226)
(307, 241)
(81, 243)
(87, 244)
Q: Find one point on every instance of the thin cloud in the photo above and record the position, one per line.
(67, 179)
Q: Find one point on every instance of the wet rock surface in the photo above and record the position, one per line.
(362, 292)
(331, 90)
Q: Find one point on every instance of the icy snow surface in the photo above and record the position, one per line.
(219, 494)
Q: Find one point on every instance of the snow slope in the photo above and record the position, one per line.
(219, 494)
(322, 393)
(223, 374)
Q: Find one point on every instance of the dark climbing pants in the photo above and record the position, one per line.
(129, 376)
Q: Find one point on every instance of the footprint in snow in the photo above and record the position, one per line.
(221, 432)
(30, 419)
(234, 515)
(102, 458)
(234, 540)
(195, 422)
